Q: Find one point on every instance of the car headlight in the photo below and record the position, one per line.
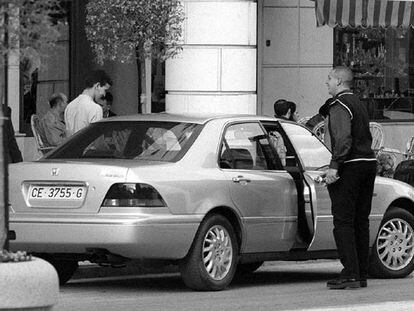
(133, 195)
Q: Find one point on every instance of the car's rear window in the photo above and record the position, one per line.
(141, 140)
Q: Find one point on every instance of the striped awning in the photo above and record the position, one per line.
(365, 13)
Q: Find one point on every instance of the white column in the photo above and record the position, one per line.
(216, 71)
(13, 88)
(13, 69)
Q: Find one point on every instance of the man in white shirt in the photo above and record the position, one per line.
(84, 110)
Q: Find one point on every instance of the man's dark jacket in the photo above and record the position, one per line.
(349, 130)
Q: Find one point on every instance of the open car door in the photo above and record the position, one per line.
(306, 158)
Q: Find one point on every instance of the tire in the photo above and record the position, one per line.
(64, 268)
(247, 268)
(392, 255)
(199, 269)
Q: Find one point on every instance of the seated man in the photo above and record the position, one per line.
(53, 129)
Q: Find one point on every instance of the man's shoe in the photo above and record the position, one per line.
(363, 282)
(343, 283)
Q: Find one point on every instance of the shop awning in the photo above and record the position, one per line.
(365, 13)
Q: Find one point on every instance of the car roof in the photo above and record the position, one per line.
(199, 118)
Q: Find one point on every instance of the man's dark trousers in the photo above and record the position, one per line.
(351, 198)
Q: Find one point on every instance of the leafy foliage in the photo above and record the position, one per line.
(127, 30)
(6, 256)
(36, 29)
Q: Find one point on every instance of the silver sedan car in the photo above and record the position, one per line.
(209, 193)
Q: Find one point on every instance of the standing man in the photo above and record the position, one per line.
(84, 110)
(350, 178)
(52, 123)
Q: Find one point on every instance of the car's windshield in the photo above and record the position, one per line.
(311, 150)
(143, 140)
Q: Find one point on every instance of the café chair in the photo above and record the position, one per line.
(377, 133)
(319, 130)
(409, 151)
(37, 130)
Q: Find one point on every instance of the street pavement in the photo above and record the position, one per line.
(275, 286)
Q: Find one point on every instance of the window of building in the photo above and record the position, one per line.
(383, 69)
(43, 75)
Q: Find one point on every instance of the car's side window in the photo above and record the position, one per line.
(245, 146)
(313, 153)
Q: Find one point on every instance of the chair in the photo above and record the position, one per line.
(319, 130)
(409, 152)
(303, 120)
(377, 133)
(388, 157)
(37, 134)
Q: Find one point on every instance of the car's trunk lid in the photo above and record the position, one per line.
(63, 186)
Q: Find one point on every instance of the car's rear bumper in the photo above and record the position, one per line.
(162, 238)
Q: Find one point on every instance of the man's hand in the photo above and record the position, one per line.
(331, 176)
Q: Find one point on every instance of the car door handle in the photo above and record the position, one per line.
(240, 179)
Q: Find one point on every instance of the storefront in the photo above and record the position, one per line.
(375, 40)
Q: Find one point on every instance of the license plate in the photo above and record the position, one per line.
(40, 192)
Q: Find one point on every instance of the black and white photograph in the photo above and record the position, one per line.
(195, 155)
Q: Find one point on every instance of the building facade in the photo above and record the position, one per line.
(238, 56)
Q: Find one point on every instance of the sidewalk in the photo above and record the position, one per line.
(384, 306)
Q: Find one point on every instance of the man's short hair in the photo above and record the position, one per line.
(292, 107)
(97, 76)
(345, 74)
(56, 99)
(281, 107)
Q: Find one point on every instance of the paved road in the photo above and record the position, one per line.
(276, 286)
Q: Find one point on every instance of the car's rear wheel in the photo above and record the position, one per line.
(392, 255)
(212, 259)
(65, 268)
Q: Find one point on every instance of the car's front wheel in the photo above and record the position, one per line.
(212, 259)
(392, 255)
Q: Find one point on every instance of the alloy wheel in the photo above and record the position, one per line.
(395, 244)
(217, 252)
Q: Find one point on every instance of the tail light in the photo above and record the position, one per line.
(133, 195)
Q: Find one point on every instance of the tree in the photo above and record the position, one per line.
(28, 28)
(135, 30)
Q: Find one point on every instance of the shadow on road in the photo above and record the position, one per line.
(281, 277)
(172, 282)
